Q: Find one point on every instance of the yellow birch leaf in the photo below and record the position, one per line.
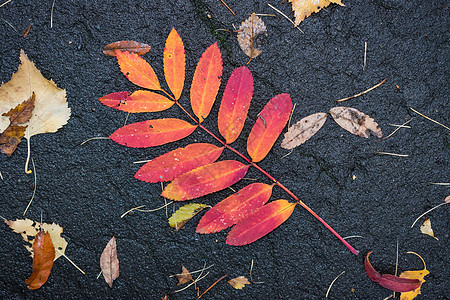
(238, 282)
(304, 8)
(417, 274)
(184, 214)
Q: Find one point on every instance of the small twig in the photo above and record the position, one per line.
(95, 138)
(5, 3)
(142, 161)
(353, 236)
(365, 55)
(287, 18)
(145, 210)
(428, 118)
(396, 129)
(362, 93)
(201, 270)
(329, 288)
(427, 212)
(287, 154)
(71, 261)
(223, 2)
(51, 14)
(130, 210)
(217, 281)
(99, 274)
(193, 282)
(34, 191)
(251, 278)
(233, 190)
(393, 154)
(265, 15)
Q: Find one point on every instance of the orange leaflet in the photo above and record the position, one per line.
(206, 82)
(137, 102)
(235, 208)
(235, 103)
(44, 254)
(268, 127)
(152, 132)
(261, 222)
(167, 166)
(205, 180)
(137, 70)
(174, 63)
(132, 46)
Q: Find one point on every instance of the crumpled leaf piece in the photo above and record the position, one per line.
(238, 282)
(252, 35)
(138, 102)
(355, 121)
(109, 263)
(184, 214)
(425, 228)
(184, 277)
(44, 255)
(417, 274)
(28, 230)
(131, 46)
(304, 8)
(303, 130)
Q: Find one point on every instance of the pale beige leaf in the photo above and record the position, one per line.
(238, 282)
(355, 121)
(28, 229)
(109, 263)
(303, 130)
(184, 277)
(425, 228)
(304, 8)
(447, 199)
(251, 36)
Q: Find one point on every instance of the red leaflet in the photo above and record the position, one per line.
(268, 127)
(235, 208)
(167, 166)
(206, 82)
(44, 254)
(174, 63)
(391, 282)
(137, 70)
(152, 133)
(235, 103)
(261, 222)
(205, 180)
(137, 102)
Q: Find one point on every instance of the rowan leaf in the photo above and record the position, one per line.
(184, 277)
(268, 126)
(238, 282)
(184, 214)
(205, 180)
(417, 274)
(109, 263)
(137, 70)
(303, 130)
(235, 104)
(138, 102)
(174, 63)
(152, 133)
(391, 282)
(44, 255)
(425, 228)
(206, 82)
(130, 46)
(252, 35)
(304, 8)
(176, 162)
(234, 208)
(261, 222)
(355, 121)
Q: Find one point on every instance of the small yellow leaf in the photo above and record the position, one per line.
(425, 228)
(184, 214)
(304, 8)
(184, 277)
(238, 282)
(418, 274)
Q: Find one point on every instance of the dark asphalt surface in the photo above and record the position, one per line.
(86, 188)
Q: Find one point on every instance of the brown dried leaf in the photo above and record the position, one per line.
(131, 46)
(251, 36)
(238, 282)
(184, 277)
(355, 121)
(304, 8)
(425, 228)
(109, 263)
(303, 130)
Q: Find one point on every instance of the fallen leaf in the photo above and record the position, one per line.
(12, 136)
(447, 199)
(174, 63)
(184, 214)
(252, 35)
(303, 130)
(184, 277)
(355, 121)
(28, 230)
(109, 263)
(418, 274)
(131, 46)
(304, 8)
(238, 282)
(425, 228)
(26, 32)
(137, 102)
(44, 255)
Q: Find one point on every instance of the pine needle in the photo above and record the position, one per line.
(418, 218)
(95, 138)
(365, 56)
(393, 154)
(362, 93)
(5, 3)
(440, 183)
(329, 288)
(34, 191)
(10, 25)
(223, 2)
(51, 14)
(353, 236)
(1, 176)
(251, 278)
(71, 261)
(287, 18)
(428, 118)
(217, 281)
(144, 210)
(397, 129)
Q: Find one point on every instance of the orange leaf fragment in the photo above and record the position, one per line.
(131, 46)
(235, 104)
(261, 222)
(206, 82)
(152, 133)
(44, 254)
(137, 70)
(109, 263)
(137, 102)
(205, 180)
(238, 282)
(268, 127)
(174, 63)
(303, 130)
(355, 121)
(184, 277)
(234, 208)
(304, 8)
(176, 162)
